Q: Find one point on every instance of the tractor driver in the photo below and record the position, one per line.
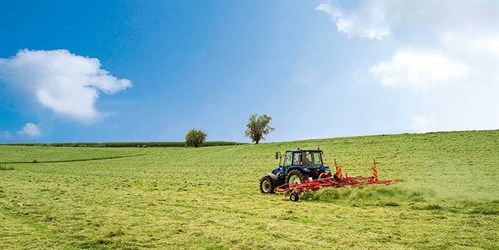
(307, 159)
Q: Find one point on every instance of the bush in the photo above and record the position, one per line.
(194, 138)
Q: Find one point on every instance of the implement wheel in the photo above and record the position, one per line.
(266, 185)
(294, 197)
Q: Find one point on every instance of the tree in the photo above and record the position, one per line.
(258, 127)
(194, 138)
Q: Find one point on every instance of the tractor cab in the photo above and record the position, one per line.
(298, 166)
(302, 158)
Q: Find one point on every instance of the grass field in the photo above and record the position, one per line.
(130, 198)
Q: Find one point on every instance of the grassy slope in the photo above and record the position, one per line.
(209, 198)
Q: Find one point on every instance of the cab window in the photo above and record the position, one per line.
(296, 159)
(287, 159)
(307, 159)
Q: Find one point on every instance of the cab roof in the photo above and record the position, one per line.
(305, 150)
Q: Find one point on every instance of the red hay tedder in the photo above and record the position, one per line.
(338, 180)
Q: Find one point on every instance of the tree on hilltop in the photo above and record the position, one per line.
(194, 138)
(258, 127)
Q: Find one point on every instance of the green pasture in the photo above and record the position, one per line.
(208, 198)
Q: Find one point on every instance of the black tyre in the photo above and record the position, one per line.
(266, 185)
(294, 197)
(296, 176)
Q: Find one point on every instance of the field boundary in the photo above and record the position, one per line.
(125, 144)
(73, 160)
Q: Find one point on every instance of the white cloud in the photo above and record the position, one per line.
(66, 83)
(365, 24)
(419, 70)
(30, 130)
(411, 19)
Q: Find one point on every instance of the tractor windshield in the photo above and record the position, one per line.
(312, 159)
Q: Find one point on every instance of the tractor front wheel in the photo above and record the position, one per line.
(295, 176)
(266, 185)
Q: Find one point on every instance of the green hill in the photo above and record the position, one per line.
(78, 197)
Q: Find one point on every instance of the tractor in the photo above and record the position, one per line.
(298, 166)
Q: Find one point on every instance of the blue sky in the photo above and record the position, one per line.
(152, 70)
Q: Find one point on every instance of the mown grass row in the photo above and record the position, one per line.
(397, 196)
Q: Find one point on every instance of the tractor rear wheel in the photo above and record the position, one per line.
(266, 185)
(295, 176)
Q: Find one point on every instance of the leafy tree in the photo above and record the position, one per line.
(258, 127)
(194, 138)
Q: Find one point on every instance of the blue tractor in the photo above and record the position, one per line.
(298, 166)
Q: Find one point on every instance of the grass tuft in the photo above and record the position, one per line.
(115, 233)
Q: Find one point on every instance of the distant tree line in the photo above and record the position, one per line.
(126, 144)
(257, 129)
